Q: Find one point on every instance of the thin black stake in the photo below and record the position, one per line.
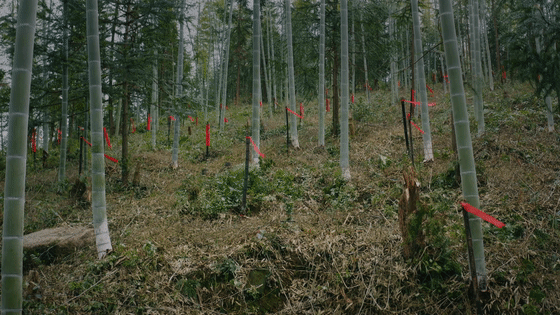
(287, 133)
(472, 262)
(404, 125)
(246, 177)
(411, 112)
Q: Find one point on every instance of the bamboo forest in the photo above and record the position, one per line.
(280, 156)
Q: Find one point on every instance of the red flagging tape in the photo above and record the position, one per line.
(260, 103)
(419, 103)
(171, 117)
(85, 140)
(111, 158)
(291, 111)
(431, 91)
(34, 140)
(504, 75)
(148, 126)
(192, 119)
(446, 78)
(107, 137)
(226, 120)
(255, 146)
(352, 98)
(328, 105)
(207, 135)
(482, 215)
(415, 125)
(133, 127)
(59, 136)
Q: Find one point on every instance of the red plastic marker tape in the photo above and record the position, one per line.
(431, 91)
(255, 146)
(192, 119)
(86, 141)
(148, 126)
(291, 111)
(171, 117)
(34, 141)
(328, 105)
(260, 103)
(482, 215)
(352, 98)
(111, 158)
(207, 135)
(301, 109)
(107, 137)
(133, 127)
(419, 103)
(226, 120)
(415, 125)
(59, 135)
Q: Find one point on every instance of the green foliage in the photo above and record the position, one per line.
(208, 197)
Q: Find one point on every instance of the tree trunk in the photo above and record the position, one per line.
(99, 208)
(366, 83)
(292, 92)
(321, 91)
(495, 20)
(256, 114)
(479, 106)
(179, 92)
(463, 136)
(426, 136)
(225, 70)
(344, 155)
(64, 111)
(14, 190)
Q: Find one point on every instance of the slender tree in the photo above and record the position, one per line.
(14, 189)
(366, 82)
(179, 91)
(64, 111)
(344, 164)
(153, 107)
(478, 102)
(225, 70)
(267, 78)
(548, 99)
(463, 135)
(321, 92)
(292, 89)
(255, 121)
(100, 225)
(426, 136)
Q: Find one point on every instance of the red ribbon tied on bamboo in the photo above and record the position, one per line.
(33, 140)
(148, 127)
(107, 137)
(255, 146)
(171, 117)
(482, 215)
(291, 111)
(207, 135)
(301, 109)
(111, 158)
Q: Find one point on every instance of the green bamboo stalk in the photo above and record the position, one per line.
(225, 70)
(463, 135)
(16, 157)
(548, 100)
(256, 115)
(478, 102)
(364, 55)
(321, 92)
(153, 107)
(292, 89)
(427, 135)
(64, 109)
(271, 57)
(344, 164)
(353, 84)
(267, 75)
(179, 92)
(98, 203)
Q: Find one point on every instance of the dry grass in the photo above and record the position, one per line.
(339, 255)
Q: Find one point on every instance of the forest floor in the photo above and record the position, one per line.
(310, 242)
